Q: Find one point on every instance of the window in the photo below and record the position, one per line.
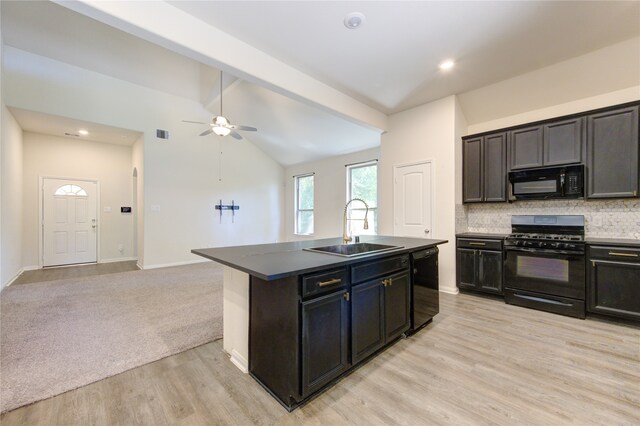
(362, 182)
(304, 204)
(71, 190)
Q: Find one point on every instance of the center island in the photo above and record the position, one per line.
(298, 320)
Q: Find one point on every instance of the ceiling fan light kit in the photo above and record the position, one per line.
(220, 125)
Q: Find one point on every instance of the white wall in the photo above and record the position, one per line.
(330, 193)
(11, 254)
(137, 161)
(181, 175)
(553, 90)
(53, 156)
(427, 132)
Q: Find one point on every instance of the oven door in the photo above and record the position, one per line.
(551, 272)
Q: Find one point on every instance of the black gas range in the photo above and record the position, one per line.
(545, 263)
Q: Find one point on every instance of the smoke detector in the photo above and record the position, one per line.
(354, 20)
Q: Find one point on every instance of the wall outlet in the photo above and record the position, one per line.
(107, 209)
(155, 208)
(596, 221)
(120, 248)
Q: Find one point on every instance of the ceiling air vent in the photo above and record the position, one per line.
(71, 134)
(162, 134)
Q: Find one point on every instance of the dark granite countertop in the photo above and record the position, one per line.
(280, 260)
(626, 242)
(481, 235)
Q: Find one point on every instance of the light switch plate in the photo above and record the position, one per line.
(155, 208)
(107, 209)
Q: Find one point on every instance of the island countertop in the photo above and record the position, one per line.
(280, 260)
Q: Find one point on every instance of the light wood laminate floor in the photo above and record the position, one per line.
(79, 271)
(480, 362)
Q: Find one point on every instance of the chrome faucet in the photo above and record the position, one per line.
(345, 237)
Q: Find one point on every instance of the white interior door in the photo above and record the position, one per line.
(412, 200)
(69, 222)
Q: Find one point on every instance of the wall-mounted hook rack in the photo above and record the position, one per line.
(233, 207)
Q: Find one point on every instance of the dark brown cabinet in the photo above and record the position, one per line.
(549, 144)
(307, 330)
(367, 319)
(479, 265)
(563, 142)
(526, 148)
(613, 286)
(612, 153)
(325, 331)
(484, 168)
(380, 312)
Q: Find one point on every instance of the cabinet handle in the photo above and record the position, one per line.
(477, 244)
(385, 282)
(346, 296)
(390, 280)
(615, 253)
(330, 282)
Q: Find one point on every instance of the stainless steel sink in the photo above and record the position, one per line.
(351, 250)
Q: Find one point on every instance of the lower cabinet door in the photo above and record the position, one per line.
(466, 268)
(325, 350)
(397, 299)
(490, 271)
(614, 289)
(367, 319)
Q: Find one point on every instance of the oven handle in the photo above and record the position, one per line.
(543, 251)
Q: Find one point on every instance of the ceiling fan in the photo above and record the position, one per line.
(220, 125)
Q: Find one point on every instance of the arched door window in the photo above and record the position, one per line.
(73, 190)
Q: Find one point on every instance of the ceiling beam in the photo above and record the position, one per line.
(172, 28)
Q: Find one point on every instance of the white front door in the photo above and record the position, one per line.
(412, 200)
(69, 222)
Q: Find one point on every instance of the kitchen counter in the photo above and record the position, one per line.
(277, 295)
(281, 260)
(625, 242)
(481, 235)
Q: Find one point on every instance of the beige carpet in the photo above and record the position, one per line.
(59, 335)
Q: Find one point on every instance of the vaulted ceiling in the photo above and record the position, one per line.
(313, 87)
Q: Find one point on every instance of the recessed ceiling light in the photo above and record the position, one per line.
(354, 20)
(83, 132)
(447, 65)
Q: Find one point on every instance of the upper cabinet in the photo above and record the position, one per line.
(484, 168)
(554, 143)
(606, 141)
(612, 153)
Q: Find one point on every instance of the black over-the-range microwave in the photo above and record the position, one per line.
(547, 183)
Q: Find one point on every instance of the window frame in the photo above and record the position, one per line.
(360, 206)
(296, 202)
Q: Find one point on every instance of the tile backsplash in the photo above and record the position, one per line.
(603, 218)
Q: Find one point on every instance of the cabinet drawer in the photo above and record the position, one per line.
(617, 254)
(370, 270)
(480, 244)
(324, 282)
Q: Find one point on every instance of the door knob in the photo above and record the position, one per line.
(426, 231)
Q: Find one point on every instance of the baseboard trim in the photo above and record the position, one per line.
(239, 361)
(166, 265)
(118, 259)
(30, 268)
(15, 277)
(448, 291)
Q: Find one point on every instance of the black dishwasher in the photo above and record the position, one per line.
(425, 299)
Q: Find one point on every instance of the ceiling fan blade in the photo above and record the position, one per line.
(235, 134)
(206, 132)
(245, 128)
(194, 122)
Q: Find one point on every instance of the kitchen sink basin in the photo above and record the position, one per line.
(351, 250)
